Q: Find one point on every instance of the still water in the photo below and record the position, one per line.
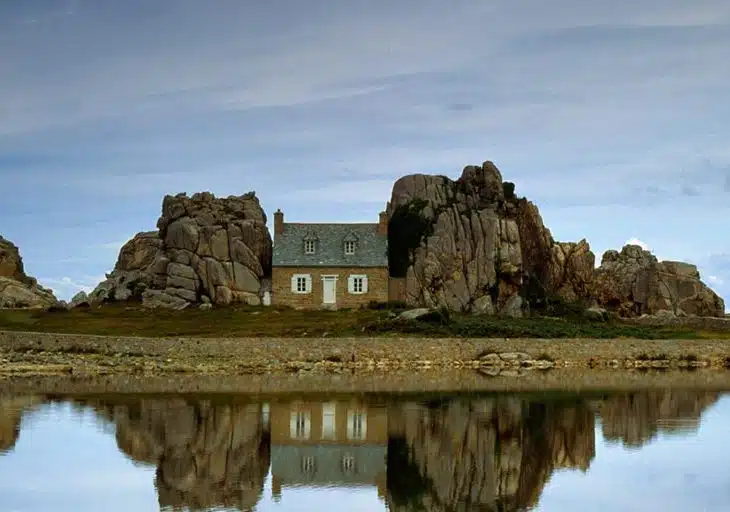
(646, 450)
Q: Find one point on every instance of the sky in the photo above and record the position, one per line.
(611, 117)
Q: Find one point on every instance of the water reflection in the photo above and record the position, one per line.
(461, 453)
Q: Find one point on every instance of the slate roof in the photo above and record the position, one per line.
(371, 248)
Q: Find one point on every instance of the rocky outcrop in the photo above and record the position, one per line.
(471, 245)
(635, 418)
(491, 454)
(633, 282)
(206, 250)
(208, 456)
(18, 290)
(551, 269)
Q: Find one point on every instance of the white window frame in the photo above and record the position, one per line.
(357, 425)
(300, 425)
(309, 465)
(350, 246)
(297, 280)
(310, 246)
(352, 286)
(349, 464)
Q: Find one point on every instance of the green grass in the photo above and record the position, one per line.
(243, 321)
(536, 327)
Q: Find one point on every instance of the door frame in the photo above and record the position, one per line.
(326, 279)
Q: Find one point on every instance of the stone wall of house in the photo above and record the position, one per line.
(282, 294)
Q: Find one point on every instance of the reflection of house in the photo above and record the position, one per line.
(328, 444)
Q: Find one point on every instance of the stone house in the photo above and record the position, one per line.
(329, 265)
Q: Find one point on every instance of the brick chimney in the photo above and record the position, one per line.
(383, 224)
(278, 222)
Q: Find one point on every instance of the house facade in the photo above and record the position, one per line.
(332, 265)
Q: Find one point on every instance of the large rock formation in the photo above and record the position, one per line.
(471, 245)
(208, 456)
(491, 454)
(633, 282)
(18, 290)
(206, 249)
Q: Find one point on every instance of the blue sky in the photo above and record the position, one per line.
(612, 117)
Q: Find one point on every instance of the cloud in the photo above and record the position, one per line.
(66, 287)
(612, 118)
(636, 241)
(112, 245)
(714, 280)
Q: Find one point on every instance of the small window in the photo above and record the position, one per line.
(301, 425)
(356, 426)
(309, 247)
(357, 284)
(348, 464)
(309, 465)
(350, 247)
(301, 283)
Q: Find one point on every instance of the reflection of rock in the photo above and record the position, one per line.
(207, 455)
(635, 418)
(9, 427)
(11, 410)
(493, 453)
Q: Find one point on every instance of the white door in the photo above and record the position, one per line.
(329, 291)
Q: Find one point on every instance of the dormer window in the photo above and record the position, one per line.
(310, 243)
(350, 244)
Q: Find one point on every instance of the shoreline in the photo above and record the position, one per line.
(84, 356)
(327, 386)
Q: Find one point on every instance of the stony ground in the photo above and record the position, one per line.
(85, 355)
